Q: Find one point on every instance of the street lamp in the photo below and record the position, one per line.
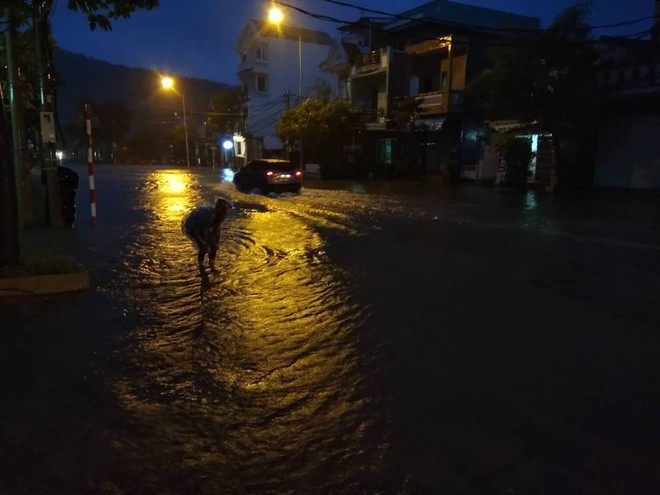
(275, 16)
(168, 84)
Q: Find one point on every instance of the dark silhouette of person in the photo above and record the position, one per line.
(202, 227)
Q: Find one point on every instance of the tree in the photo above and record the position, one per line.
(114, 123)
(224, 114)
(547, 77)
(100, 14)
(323, 126)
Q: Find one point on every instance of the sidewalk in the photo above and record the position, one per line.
(73, 243)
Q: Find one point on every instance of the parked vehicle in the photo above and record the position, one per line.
(269, 174)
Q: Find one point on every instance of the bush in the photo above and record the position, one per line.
(44, 262)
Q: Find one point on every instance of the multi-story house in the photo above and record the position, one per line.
(409, 75)
(628, 149)
(279, 66)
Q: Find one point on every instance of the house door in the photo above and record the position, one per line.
(374, 101)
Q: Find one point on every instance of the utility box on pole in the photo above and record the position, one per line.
(47, 100)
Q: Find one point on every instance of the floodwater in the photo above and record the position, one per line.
(256, 374)
(354, 339)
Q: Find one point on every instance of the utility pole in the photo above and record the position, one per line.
(19, 148)
(300, 90)
(47, 115)
(9, 247)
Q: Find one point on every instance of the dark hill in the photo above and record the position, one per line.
(84, 79)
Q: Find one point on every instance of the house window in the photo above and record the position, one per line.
(244, 57)
(262, 83)
(427, 83)
(262, 52)
(444, 80)
(385, 150)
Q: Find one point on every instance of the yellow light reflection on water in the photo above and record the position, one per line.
(174, 193)
(174, 182)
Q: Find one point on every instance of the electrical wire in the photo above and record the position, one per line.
(265, 121)
(460, 24)
(517, 42)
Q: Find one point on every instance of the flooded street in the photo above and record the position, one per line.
(356, 338)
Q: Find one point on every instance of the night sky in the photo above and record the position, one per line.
(198, 37)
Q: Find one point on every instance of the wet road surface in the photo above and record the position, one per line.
(356, 339)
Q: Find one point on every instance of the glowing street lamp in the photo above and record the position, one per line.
(275, 16)
(167, 83)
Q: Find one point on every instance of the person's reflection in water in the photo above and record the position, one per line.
(202, 227)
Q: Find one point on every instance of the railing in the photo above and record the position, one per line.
(432, 102)
(438, 102)
(368, 62)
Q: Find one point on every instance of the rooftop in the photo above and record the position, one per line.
(289, 32)
(459, 14)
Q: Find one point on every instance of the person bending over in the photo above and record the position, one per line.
(202, 227)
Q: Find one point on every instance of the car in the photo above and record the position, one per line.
(269, 175)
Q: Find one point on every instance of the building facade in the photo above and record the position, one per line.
(628, 149)
(409, 75)
(279, 67)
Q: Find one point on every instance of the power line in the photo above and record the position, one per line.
(519, 42)
(483, 28)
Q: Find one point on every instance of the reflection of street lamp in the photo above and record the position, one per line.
(168, 84)
(275, 16)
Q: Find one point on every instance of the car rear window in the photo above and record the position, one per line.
(260, 166)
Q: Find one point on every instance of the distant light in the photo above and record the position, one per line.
(275, 15)
(227, 145)
(59, 154)
(269, 173)
(227, 174)
(167, 82)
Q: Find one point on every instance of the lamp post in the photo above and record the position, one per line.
(275, 16)
(168, 84)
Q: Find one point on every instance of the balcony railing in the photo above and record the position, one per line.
(369, 62)
(438, 102)
(432, 103)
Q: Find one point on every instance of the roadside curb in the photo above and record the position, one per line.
(39, 285)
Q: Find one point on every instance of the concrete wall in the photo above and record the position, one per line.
(282, 70)
(629, 152)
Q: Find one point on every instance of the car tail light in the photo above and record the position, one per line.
(298, 173)
(270, 172)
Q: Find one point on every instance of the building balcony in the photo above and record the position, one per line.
(430, 46)
(439, 102)
(432, 103)
(370, 63)
(252, 64)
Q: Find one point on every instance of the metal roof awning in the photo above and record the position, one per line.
(509, 125)
(434, 124)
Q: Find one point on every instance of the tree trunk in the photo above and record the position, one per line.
(9, 251)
